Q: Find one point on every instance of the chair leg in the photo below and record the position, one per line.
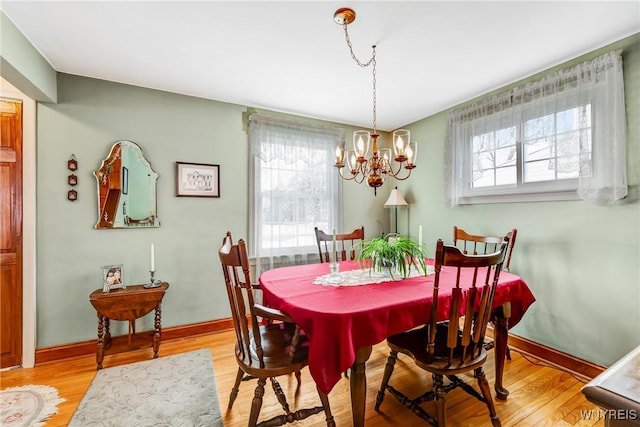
(236, 388)
(486, 393)
(327, 409)
(280, 395)
(256, 404)
(388, 370)
(439, 399)
(298, 375)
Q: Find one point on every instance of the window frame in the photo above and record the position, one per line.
(521, 191)
(312, 137)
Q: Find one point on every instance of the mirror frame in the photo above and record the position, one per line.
(121, 180)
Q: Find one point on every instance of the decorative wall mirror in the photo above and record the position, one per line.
(126, 189)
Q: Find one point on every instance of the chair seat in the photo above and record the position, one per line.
(412, 343)
(276, 345)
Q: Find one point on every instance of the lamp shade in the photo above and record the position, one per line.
(395, 199)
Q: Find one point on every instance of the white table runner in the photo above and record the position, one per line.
(365, 276)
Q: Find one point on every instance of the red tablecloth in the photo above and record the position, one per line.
(339, 320)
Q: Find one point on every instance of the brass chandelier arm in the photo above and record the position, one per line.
(395, 174)
(357, 177)
(402, 179)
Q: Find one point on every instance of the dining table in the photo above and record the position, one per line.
(342, 321)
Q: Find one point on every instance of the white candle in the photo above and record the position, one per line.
(153, 263)
(420, 235)
(335, 256)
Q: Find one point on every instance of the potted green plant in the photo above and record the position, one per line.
(392, 253)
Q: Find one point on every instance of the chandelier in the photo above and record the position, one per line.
(372, 168)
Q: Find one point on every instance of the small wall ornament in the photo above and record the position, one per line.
(72, 164)
(72, 179)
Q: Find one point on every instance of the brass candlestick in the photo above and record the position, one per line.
(153, 282)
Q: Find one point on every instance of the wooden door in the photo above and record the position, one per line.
(10, 233)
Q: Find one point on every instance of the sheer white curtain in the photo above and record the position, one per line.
(598, 84)
(293, 188)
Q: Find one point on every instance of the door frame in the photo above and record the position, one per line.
(7, 90)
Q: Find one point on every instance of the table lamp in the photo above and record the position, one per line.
(395, 199)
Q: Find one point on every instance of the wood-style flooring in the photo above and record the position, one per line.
(539, 395)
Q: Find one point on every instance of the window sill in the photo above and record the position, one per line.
(552, 196)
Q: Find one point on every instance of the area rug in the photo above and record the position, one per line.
(28, 405)
(177, 390)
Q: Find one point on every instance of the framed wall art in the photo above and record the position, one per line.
(197, 180)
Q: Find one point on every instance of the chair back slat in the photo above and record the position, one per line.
(485, 308)
(482, 313)
(235, 266)
(474, 244)
(454, 317)
(468, 320)
(475, 282)
(345, 244)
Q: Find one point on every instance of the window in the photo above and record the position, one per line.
(294, 188)
(555, 139)
(541, 149)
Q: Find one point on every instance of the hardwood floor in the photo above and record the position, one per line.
(540, 395)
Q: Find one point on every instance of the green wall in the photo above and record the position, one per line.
(581, 261)
(88, 118)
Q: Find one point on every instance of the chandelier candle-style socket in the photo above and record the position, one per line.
(375, 167)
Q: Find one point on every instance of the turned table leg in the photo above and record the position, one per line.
(501, 335)
(358, 386)
(100, 345)
(156, 332)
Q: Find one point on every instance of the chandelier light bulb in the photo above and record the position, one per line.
(361, 143)
(353, 160)
(412, 152)
(339, 154)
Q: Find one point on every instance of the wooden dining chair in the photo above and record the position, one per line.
(345, 244)
(476, 244)
(446, 351)
(264, 350)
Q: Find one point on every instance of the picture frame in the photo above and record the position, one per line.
(197, 180)
(112, 277)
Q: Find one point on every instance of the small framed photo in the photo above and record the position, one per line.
(112, 277)
(197, 180)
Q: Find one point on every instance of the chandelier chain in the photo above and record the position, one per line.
(361, 166)
(371, 61)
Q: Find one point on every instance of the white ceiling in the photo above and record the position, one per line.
(292, 57)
